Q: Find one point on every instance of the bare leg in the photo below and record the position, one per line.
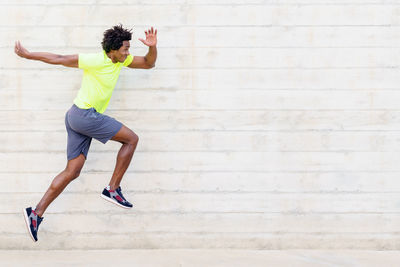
(129, 142)
(71, 172)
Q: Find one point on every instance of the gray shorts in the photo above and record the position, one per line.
(83, 125)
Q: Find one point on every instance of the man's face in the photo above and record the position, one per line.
(122, 53)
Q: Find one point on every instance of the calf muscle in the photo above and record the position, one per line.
(59, 183)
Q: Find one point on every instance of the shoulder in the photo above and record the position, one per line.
(128, 61)
(87, 60)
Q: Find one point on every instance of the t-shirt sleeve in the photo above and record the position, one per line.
(88, 60)
(128, 60)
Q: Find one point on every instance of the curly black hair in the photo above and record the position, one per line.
(114, 37)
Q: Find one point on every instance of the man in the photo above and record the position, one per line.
(85, 119)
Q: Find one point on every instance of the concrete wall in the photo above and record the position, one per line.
(265, 124)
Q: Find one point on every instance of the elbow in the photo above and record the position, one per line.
(150, 66)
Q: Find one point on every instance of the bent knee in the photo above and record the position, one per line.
(133, 138)
(73, 173)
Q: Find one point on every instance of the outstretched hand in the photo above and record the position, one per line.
(151, 37)
(20, 50)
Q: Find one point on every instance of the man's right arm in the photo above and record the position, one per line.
(65, 60)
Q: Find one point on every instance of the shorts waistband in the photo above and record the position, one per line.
(82, 110)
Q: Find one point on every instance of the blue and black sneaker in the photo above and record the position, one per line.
(32, 221)
(116, 197)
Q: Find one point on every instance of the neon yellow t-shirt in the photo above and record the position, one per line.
(100, 75)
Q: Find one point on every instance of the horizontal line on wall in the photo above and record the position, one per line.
(280, 233)
(230, 131)
(101, 234)
(270, 172)
(244, 69)
(237, 90)
(212, 47)
(213, 172)
(298, 4)
(216, 110)
(216, 171)
(386, 25)
(213, 110)
(256, 110)
(197, 151)
(213, 27)
(207, 150)
(215, 213)
(243, 89)
(215, 47)
(218, 192)
(199, 90)
(32, 47)
(247, 68)
(281, 68)
(205, 172)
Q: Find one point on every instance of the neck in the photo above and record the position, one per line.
(110, 56)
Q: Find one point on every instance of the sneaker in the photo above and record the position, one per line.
(116, 197)
(32, 221)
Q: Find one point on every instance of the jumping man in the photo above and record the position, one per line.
(85, 119)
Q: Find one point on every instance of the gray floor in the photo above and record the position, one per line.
(200, 258)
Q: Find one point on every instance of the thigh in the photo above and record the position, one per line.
(93, 124)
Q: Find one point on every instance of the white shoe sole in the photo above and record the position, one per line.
(113, 201)
(28, 222)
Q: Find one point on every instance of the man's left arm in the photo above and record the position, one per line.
(149, 60)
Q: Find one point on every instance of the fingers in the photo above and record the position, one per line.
(17, 47)
(20, 50)
(151, 31)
